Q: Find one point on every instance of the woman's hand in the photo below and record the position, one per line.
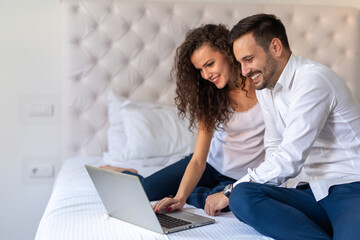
(170, 204)
(215, 202)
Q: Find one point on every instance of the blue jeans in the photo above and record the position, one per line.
(166, 182)
(284, 213)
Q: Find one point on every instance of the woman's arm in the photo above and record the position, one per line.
(193, 172)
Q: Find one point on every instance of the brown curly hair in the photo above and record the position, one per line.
(197, 98)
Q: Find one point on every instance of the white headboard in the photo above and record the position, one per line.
(129, 45)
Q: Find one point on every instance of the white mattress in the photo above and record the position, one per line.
(75, 211)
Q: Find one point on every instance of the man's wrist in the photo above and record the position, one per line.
(227, 190)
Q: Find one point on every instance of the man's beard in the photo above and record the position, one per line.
(269, 73)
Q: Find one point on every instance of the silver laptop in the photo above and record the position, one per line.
(124, 198)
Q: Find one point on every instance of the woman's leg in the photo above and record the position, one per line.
(198, 197)
(211, 182)
(280, 213)
(166, 181)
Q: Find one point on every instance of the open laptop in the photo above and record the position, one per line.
(124, 198)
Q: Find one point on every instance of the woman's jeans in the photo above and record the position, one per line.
(165, 183)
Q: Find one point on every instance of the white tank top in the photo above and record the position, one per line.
(238, 145)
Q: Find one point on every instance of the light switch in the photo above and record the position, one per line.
(40, 110)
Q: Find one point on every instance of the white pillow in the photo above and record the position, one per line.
(140, 130)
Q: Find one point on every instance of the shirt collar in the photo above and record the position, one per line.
(287, 74)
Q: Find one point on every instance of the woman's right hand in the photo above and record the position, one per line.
(170, 204)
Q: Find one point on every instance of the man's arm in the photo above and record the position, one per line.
(309, 107)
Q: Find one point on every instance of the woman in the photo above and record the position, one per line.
(212, 94)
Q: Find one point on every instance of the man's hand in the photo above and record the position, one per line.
(216, 202)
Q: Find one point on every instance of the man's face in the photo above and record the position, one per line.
(256, 64)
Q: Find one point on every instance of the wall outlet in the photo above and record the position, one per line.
(40, 170)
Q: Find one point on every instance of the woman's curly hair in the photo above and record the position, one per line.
(197, 98)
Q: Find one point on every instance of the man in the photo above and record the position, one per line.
(312, 125)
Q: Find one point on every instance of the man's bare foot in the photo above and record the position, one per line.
(118, 169)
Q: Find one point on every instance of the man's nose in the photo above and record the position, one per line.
(245, 69)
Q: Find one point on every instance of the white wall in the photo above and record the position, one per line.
(30, 74)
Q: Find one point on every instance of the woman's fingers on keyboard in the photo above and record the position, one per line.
(175, 206)
(164, 203)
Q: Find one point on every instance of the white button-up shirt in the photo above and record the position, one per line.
(312, 125)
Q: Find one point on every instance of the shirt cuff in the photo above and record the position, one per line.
(245, 178)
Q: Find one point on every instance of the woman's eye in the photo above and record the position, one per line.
(210, 64)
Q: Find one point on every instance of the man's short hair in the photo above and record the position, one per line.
(265, 27)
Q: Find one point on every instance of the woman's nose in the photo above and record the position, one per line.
(206, 74)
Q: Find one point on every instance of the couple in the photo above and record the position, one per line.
(312, 125)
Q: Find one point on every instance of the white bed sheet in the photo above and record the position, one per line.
(75, 211)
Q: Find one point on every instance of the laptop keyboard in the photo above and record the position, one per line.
(170, 222)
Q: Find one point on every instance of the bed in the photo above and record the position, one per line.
(117, 99)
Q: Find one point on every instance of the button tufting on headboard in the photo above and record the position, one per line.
(129, 46)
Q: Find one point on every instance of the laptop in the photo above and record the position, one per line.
(125, 199)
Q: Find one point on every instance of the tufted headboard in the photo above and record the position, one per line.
(129, 46)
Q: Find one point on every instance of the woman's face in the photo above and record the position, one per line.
(212, 65)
